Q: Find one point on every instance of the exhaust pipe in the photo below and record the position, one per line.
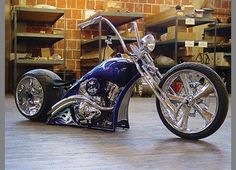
(62, 104)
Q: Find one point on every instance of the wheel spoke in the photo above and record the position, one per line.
(204, 92)
(183, 122)
(175, 98)
(31, 83)
(187, 87)
(207, 116)
(30, 91)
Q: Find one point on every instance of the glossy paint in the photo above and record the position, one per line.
(116, 70)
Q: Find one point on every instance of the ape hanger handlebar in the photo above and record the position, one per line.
(100, 19)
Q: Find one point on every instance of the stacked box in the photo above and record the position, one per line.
(220, 59)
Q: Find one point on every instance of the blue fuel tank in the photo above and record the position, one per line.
(116, 70)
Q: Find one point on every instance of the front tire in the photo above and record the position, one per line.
(35, 94)
(197, 86)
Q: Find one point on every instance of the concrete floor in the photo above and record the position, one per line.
(146, 145)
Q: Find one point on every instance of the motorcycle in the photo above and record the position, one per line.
(191, 99)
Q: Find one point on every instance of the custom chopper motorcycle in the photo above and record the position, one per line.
(191, 98)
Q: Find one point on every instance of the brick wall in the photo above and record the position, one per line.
(222, 9)
(75, 11)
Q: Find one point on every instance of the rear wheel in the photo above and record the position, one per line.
(35, 94)
(200, 99)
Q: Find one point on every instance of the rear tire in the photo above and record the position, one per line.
(221, 106)
(35, 94)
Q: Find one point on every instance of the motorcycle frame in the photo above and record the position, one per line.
(145, 68)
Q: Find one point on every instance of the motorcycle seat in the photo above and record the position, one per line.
(62, 83)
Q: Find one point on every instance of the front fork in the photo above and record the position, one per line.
(152, 76)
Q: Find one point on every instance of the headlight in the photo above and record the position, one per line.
(149, 42)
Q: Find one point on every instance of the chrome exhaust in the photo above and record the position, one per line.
(62, 104)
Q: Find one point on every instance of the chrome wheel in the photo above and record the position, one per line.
(29, 96)
(195, 99)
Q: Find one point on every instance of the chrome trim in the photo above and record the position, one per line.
(193, 101)
(29, 96)
(124, 106)
(62, 104)
(135, 26)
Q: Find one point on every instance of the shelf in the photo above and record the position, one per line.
(180, 42)
(32, 42)
(221, 27)
(40, 37)
(103, 38)
(43, 15)
(39, 62)
(118, 18)
(223, 67)
(226, 45)
(181, 20)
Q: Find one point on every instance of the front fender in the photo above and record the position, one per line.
(120, 112)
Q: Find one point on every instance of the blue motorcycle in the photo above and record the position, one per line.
(191, 98)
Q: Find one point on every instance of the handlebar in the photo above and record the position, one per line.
(100, 18)
(90, 22)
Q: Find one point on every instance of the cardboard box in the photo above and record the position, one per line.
(220, 59)
(180, 29)
(209, 59)
(106, 54)
(161, 16)
(199, 30)
(114, 6)
(198, 4)
(182, 36)
(189, 52)
(217, 38)
(18, 56)
(188, 9)
(58, 31)
(45, 53)
(199, 13)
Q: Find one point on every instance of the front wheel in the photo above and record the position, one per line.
(199, 97)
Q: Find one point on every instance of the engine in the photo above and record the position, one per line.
(102, 93)
(92, 87)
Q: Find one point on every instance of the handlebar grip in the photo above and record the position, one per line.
(90, 22)
(85, 24)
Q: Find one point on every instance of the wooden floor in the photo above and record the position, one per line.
(146, 145)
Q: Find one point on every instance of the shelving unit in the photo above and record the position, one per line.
(160, 27)
(88, 45)
(27, 17)
(224, 30)
(51, 38)
(177, 20)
